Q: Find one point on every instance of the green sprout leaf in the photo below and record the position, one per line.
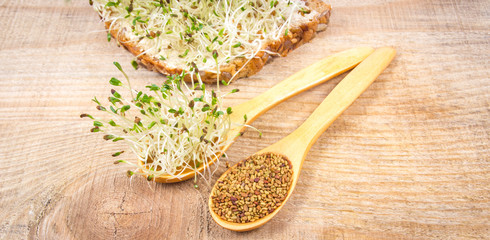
(117, 139)
(205, 108)
(184, 54)
(151, 124)
(113, 4)
(86, 115)
(95, 100)
(134, 64)
(273, 3)
(153, 87)
(139, 95)
(109, 137)
(118, 66)
(117, 153)
(125, 108)
(114, 100)
(115, 93)
(115, 82)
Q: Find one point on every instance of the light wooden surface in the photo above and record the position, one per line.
(408, 160)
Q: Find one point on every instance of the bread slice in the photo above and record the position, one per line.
(300, 31)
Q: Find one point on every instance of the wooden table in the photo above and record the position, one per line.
(408, 160)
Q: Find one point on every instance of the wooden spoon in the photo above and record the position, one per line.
(296, 145)
(303, 80)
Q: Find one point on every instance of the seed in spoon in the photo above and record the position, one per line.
(253, 189)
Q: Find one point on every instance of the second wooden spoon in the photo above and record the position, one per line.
(301, 81)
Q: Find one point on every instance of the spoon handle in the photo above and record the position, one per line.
(305, 79)
(341, 97)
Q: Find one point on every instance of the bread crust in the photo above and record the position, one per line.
(238, 67)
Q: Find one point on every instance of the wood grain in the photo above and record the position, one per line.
(408, 160)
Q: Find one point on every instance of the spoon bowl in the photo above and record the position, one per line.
(296, 145)
(301, 81)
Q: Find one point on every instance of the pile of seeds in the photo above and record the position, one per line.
(253, 189)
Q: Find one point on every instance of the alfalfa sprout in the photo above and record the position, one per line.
(171, 128)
